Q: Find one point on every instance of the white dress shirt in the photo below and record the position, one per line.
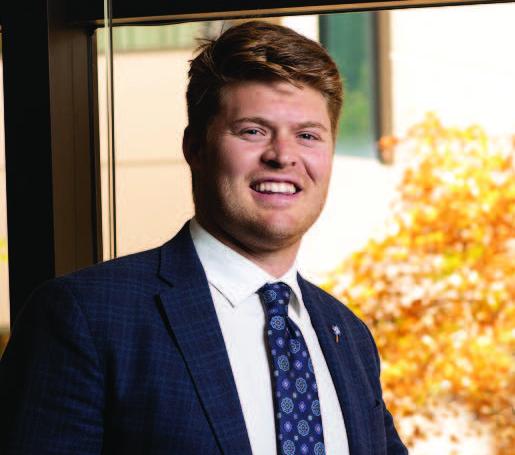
(233, 282)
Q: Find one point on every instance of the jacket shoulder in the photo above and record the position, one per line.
(135, 273)
(355, 327)
(336, 304)
(142, 263)
(114, 284)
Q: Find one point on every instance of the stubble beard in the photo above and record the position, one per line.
(234, 223)
(255, 232)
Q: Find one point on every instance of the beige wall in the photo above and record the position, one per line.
(152, 178)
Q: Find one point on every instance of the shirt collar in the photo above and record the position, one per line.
(232, 274)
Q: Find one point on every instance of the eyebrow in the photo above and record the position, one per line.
(264, 122)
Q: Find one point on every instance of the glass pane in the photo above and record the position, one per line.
(4, 270)
(462, 79)
(149, 164)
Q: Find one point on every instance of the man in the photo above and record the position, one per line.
(212, 343)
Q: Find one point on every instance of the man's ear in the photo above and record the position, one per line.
(191, 147)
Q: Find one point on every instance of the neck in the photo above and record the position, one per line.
(275, 261)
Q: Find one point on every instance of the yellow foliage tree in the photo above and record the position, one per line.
(438, 290)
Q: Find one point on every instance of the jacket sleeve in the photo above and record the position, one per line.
(394, 445)
(51, 379)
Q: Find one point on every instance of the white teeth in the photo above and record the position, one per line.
(275, 187)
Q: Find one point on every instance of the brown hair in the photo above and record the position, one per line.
(258, 51)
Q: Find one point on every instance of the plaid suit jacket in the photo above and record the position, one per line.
(128, 357)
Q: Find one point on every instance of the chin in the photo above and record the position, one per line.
(278, 234)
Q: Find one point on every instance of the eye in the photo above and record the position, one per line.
(251, 131)
(252, 134)
(308, 136)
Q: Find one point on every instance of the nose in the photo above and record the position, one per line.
(280, 153)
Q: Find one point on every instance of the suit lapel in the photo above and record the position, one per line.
(343, 362)
(191, 315)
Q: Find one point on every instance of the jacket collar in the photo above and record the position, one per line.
(192, 319)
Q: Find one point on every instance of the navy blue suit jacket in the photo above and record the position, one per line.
(128, 357)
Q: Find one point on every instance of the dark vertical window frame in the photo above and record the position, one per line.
(27, 148)
(50, 145)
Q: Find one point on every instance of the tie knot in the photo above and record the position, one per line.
(276, 297)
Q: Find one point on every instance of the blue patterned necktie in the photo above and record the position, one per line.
(298, 421)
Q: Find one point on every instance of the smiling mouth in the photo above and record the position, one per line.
(275, 188)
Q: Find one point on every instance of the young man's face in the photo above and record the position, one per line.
(261, 180)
